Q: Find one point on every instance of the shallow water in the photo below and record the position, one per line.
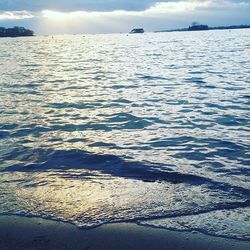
(150, 128)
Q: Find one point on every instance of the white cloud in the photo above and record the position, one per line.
(156, 10)
(15, 15)
(181, 6)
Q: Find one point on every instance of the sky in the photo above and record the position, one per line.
(108, 16)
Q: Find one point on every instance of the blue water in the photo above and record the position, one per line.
(150, 128)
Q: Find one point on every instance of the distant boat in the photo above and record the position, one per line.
(137, 31)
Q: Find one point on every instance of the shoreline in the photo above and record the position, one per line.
(17, 232)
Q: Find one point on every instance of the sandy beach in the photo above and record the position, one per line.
(35, 233)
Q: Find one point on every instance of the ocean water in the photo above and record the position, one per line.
(150, 128)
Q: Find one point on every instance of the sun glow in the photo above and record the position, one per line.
(69, 15)
(55, 14)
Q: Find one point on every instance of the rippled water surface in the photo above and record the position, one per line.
(150, 128)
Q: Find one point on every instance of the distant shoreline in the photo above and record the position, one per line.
(15, 32)
(231, 27)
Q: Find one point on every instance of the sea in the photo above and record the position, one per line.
(146, 128)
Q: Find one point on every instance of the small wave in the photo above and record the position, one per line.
(220, 222)
(198, 80)
(152, 78)
(84, 105)
(4, 134)
(109, 164)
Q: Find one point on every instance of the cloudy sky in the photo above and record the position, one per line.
(104, 16)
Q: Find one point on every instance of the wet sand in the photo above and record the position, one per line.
(35, 233)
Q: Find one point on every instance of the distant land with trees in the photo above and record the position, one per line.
(196, 27)
(15, 32)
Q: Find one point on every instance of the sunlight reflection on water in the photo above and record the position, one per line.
(105, 128)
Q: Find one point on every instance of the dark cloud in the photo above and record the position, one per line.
(71, 5)
(89, 5)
